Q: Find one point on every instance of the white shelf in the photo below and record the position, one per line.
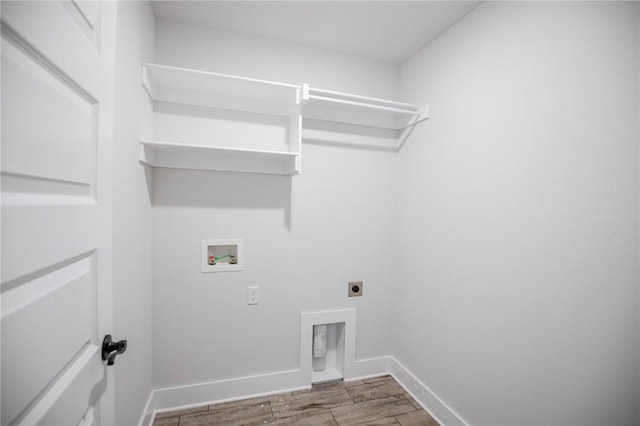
(347, 108)
(182, 85)
(388, 123)
(199, 157)
(201, 88)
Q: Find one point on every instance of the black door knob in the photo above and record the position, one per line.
(111, 349)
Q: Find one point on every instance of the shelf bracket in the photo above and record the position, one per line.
(295, 130)
(304, 95)
(406, 130)
(147, 155)
(146, 83)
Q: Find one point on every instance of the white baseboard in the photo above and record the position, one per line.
(147, 413)
(181, 397)
(187, 396)
(435, 406)
(215, 392)
(370, 367)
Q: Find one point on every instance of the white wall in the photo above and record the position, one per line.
(226, 52)
(518, 295)
(132, 214)
(305, 237)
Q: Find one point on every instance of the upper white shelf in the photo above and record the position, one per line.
(347, 108)
(193, 87)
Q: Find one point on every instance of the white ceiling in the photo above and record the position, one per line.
(391, 31)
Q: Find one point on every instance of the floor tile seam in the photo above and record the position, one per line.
(375, 398)
(346, 389)
(273, 415)
(349, 393)
(343, 405)
(406, 412)
(333, 417)
(409, 401)
(314, 410)
(193, 414)
(321, 407)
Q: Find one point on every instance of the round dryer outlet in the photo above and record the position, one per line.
(355, 288)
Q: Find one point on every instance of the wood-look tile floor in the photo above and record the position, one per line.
(375, 401)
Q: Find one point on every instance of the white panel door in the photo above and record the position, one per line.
(57, 108)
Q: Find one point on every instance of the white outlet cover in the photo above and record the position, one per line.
(253, 295)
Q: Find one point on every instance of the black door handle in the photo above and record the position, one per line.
(111, 349)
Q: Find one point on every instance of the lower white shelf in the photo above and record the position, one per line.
(200, 157)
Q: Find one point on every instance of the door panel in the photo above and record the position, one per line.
(85, 14)
(61, 332)
(62, 145)
(31, 233)
(56, 221)
(48, 159)
(47, 31)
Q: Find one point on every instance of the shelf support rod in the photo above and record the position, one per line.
(364, 105)
(365, 99)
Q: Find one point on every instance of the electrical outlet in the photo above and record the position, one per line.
(355, 288)
(253, 295)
